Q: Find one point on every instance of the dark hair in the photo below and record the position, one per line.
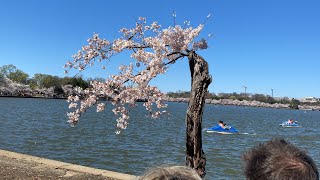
(221, 122)
(279, 160)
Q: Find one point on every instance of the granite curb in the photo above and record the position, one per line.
(21, 166)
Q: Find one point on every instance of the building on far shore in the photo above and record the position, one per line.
(309, 99)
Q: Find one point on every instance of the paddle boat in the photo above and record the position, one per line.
(220, 130)
(288, 124)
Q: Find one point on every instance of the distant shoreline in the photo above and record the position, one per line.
(248, 103)
(211, 101)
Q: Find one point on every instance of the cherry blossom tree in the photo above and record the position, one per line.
(152, 50)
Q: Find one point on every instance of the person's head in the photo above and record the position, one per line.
(278, 160)
(220, 122)
(171, 173)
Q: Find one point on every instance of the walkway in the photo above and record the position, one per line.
(20, 166)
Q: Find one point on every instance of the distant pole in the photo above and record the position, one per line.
(245, 90)
(272, 92)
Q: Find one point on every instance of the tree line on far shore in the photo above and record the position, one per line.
(293, 103)
(15, 82)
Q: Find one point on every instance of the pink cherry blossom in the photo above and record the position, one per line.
(152, 49)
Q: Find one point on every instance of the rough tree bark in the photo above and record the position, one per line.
(200, 80)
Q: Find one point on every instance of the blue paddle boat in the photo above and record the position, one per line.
(287, 124)
(220, 130)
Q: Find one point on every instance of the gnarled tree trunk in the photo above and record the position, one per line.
(200, 80)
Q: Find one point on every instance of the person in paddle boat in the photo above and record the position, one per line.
(290, 121)
(223, 125)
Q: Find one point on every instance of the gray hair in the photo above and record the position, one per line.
(171, 173)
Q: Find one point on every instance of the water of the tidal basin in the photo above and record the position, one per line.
(39, 127)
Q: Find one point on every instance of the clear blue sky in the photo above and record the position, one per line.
(264, 45)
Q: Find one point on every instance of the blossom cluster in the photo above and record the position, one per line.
(152, 49)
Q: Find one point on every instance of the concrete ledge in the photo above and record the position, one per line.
(67, 167)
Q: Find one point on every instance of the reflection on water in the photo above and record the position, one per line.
(39, 127)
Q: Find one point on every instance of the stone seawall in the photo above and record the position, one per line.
(21, 166)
